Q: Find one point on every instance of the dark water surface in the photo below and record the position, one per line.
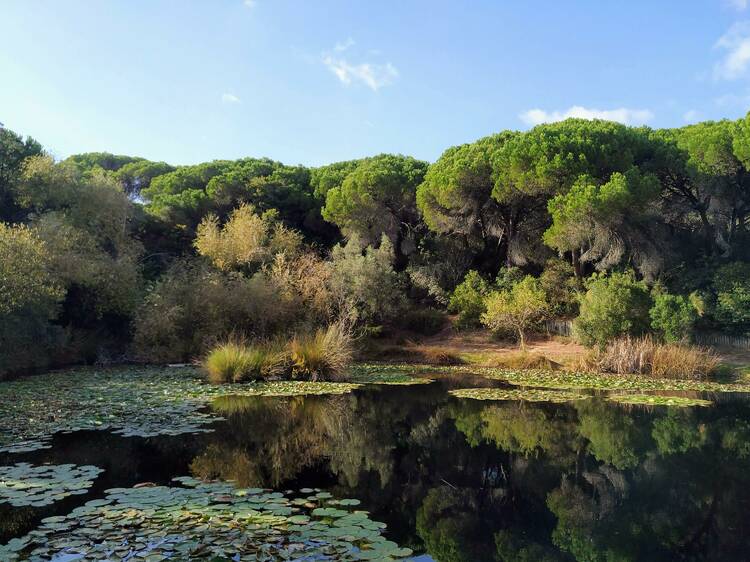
(464, 479)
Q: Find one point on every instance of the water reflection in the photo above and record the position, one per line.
(465, 480)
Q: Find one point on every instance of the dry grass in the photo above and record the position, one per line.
(645, 356)
(324, 355)
(516, 360)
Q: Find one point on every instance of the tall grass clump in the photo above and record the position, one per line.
(237, 362)
(646, 356)
(322, 355)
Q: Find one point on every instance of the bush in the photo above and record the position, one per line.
(612, 306)
(673, 316)
(558, 281)
(519, 309)
(192, 306)
(732, 286)
(364, 283)
(236, 362)
(427, 321)
(644, 356)
(467, 300)
(324, 355)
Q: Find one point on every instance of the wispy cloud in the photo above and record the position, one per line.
(739, 5)
(622, 115)
(373, 75)
(342, 46)
(229, 98)
(250, 3)
(736, 44)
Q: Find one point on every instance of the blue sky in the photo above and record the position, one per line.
(316, 81)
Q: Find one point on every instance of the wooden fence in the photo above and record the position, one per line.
(709, 339)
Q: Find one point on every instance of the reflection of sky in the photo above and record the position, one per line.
(422, 558)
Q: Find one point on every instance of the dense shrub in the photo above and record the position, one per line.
(427, 321)
(519, 309)
(467, 300)
(29, 300)
(247, 241)
(732, 286)
(193, 306)
(673, 316)
(613, 306)
(645, 356)
(559, 283)
(235, 361)
(365, 283)
(323, 355)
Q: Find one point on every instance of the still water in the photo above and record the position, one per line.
(465, 480)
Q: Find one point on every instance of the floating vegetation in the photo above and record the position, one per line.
(141, 402)
(658, 400)
(528, 395)
(208, 521)
(23, 485)
(594, 381)
(372, 373)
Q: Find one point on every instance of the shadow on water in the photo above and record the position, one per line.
(466, 480)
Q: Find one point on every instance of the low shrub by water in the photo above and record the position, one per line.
(238, 362)
(646, 356)
(323, 355)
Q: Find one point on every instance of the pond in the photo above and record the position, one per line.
(407, 468)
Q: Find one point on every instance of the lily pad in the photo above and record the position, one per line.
(658, 400)
(24, 485)
(203, 521)
(528, 395)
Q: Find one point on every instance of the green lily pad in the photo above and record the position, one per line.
(38, 486)
(528, 395)
(658, 400)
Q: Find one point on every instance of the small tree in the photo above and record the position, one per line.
(613, 306)
(517, 309)
(672, 316)
(467, 300)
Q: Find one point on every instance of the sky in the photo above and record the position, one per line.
(318, 81)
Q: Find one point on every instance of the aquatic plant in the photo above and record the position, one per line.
(528, 395)
(140, 402)
(657, 400)
(209, 520)
(38, 486)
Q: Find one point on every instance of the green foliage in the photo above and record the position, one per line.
(14, 150)
(365, 282)
(193, 306)
(235, 361)
(560, 286)
(427, 321)
(673, 316)
(376, 199)
(732, 286)
(613, 306)
(519, 309)
(467, 300)
(29, 299)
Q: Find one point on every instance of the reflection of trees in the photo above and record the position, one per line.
(504, 480)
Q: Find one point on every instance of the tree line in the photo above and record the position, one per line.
(108, 256)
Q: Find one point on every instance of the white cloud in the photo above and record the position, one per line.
(250, 3)
(229, 98)
(691, 116)
(622, 115)
(344, 45)
(374, 76)
(738, 5)
(736, 43)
